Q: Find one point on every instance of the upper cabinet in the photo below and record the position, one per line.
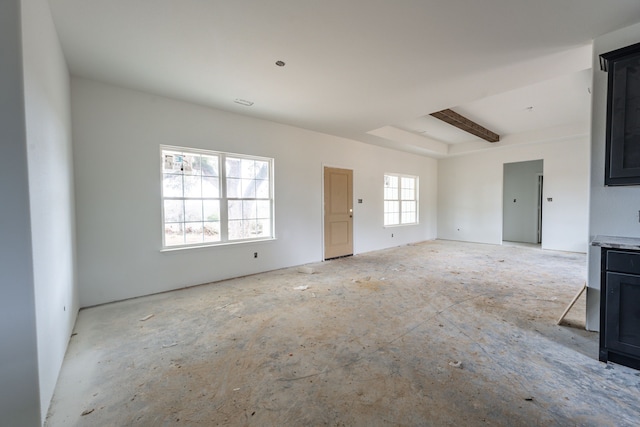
(622, 165)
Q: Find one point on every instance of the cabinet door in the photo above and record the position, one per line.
(623, 122)
(622, 319)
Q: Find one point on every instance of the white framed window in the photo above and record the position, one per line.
(400, 199)
(211, 198)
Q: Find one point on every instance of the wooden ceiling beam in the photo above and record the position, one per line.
(461, 122)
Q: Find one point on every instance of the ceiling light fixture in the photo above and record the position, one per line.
(243, 102)
(280, 63)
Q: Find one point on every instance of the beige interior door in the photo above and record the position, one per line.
(338, 212)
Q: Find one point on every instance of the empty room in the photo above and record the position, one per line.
(320, 213)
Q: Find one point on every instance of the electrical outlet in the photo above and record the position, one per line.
(255, 254)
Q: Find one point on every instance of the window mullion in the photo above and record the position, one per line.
(224, 204)
(183, 224)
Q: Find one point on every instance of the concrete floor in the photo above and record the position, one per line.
(438, 333)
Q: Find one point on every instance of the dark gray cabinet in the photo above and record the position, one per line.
(620, 307)
(622, 165)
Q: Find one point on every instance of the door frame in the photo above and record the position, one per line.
(540, 205)
(353, 229)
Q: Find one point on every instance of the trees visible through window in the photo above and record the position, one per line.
(400, 199)
(211, 197)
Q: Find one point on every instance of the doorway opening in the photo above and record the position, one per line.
(523, 189)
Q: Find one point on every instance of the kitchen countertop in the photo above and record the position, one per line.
(616, 242)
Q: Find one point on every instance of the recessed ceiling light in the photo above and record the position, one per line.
(243, 102)
(280, 63)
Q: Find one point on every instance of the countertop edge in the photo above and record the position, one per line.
(616, 242)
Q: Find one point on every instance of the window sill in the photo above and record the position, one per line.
(215, 245)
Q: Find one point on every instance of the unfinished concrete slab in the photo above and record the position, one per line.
(437, 333)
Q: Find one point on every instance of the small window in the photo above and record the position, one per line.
(211, 198)
(400, 199)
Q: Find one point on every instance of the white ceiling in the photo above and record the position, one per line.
(551, 103)
(369, 70)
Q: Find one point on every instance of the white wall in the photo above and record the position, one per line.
(117, 133)
(613, 210)
(470, 189)
(520, 201)
(48, 125)
(19, 395)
